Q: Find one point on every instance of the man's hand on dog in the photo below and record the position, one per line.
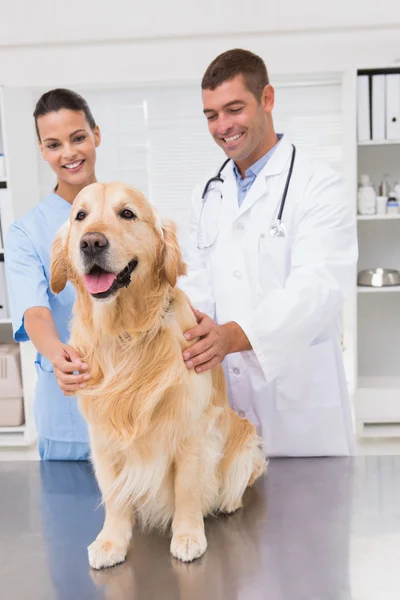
(216, 341)
(66, 362)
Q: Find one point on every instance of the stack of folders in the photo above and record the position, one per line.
(378, 107)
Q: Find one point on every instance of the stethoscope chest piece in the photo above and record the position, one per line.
(278, 229)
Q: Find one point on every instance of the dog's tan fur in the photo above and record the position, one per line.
(166, 447)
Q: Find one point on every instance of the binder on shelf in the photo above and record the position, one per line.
(5, 215)
(378, 108)
(393, 106)
(3, 290)
(363, 109)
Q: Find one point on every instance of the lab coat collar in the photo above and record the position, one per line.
(277, 164)
(279, 160)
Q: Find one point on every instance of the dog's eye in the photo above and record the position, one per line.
(80, 215)
(127, 214)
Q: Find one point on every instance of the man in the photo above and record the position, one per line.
(269, 285)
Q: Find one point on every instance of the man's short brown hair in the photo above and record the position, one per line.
(237, 62)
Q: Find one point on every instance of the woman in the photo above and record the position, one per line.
(68, 137)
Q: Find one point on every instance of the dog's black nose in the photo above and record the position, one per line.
(93, 244)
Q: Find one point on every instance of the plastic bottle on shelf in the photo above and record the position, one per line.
(381, 200)
(381, 205)
(366, 197)
(384, 187)
(396, 191)
(392, 204)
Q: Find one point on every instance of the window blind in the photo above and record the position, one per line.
(155, 137)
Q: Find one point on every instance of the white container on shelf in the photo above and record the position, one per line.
(11, 397)
(366, 197)
(381, 205)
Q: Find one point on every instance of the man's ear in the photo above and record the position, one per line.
(172, 261)
(58, 268)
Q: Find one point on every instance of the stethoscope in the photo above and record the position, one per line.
(217, 177)
(277, 228)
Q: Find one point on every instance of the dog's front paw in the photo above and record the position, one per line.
(188, 546)
(106, 553)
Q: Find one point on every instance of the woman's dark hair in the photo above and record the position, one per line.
(59, 98)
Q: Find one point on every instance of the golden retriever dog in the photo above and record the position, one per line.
(166, 447)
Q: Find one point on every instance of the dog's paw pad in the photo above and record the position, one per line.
(188, 546)
(105, 553)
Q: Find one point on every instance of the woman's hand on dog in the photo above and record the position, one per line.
(68, 367)
(216, 341)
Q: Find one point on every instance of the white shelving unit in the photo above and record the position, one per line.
(378, 143)
(375, 328)
(378, 217)
(377, 290)
(18, 144)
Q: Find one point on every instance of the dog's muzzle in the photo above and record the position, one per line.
(98, 278)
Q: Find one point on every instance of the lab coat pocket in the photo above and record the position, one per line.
(310, 382)
(273, 261)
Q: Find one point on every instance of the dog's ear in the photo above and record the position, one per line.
(58, 268)
(172, 261)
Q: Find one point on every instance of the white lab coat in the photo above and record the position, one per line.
(287, 295)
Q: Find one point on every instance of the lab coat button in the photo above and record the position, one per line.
(239, 226)
(237, 274)
(236, 371)
(242, 414)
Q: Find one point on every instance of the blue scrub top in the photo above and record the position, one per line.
(27, 259)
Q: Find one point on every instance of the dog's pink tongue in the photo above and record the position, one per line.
(98, 282)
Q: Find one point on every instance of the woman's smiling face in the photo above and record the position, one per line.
(68, 144)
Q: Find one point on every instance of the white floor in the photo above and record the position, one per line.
(366, 446)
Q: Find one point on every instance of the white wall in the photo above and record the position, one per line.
(47, 21)
(49, 43)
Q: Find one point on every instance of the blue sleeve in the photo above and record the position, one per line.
(26, 280)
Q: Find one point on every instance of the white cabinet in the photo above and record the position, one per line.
(376, 328)
(18, 193)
